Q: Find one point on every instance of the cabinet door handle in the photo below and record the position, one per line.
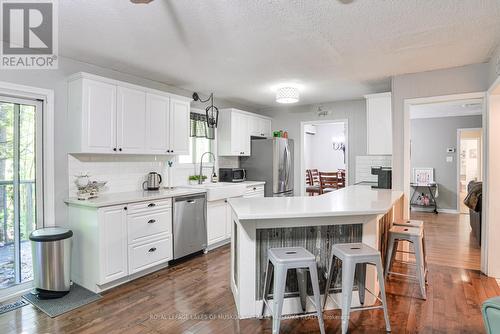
(125, 208)
(150, 205)
(114, 149)
(152, 249)
(171, 151)
(120, 149)
(151, 221)
(254, 188)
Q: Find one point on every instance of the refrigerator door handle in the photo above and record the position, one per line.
(287, 171)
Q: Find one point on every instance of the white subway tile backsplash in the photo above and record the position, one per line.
(364, 164)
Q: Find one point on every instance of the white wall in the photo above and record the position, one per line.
(494, 66)
(56, 80)
(465, 79)
(318, 148)
(289, 118)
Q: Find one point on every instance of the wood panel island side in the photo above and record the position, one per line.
(353, 214)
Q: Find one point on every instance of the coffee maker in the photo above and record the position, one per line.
(384, 177)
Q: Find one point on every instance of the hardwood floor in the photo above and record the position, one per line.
(194, 297)
(450, 241)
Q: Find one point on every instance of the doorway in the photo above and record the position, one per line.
(470, 162)
(444, 155)
(20, 188)
(324, 148)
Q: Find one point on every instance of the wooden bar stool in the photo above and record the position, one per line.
(356, 255)
(418, 224)
(282, 259)
(415, 236)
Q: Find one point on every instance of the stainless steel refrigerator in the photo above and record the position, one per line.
(271, 161)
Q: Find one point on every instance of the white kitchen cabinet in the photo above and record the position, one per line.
(109, 116)
(179, 126)
(112, 244)
(216, 221)
(233, 136)
(131, 121)
(158, 121)
(92, 116)
(254, 191)
(379, 124)
(260, 127)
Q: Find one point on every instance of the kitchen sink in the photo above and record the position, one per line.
(221, 190)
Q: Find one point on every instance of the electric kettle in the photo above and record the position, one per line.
(153, 181)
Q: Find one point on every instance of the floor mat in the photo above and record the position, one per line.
(77, 296)
(12, 306)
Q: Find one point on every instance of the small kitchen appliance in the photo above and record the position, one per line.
(152, 182)
(384, 177)
(232, 174)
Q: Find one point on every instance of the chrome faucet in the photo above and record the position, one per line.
(200, 180)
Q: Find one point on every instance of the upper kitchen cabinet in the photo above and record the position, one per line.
(131, 121)
(236, 127)
(109, 116)
(379, 124)
(233, 136)
(157, 120)
(260, 126)
(179, 129)
(92, 116)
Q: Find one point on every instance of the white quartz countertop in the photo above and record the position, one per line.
(131, 197)
(349, 201)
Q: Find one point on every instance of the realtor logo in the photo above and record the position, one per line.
(29, 34)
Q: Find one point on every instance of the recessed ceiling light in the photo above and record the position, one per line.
(287, 95)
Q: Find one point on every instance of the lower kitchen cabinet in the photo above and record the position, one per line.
(112, 245)
(112, 237)
(217, 214)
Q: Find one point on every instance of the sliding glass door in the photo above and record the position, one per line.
(21, 206)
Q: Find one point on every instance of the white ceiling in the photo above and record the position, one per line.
(467, 107)
(336, 49)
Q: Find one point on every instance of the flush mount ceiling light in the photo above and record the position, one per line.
(141, 1)
(287, 95)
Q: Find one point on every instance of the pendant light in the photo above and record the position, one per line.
(212, 112)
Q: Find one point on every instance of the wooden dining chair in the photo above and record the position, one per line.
(328, 181)
(315, 177)
(311, 189)
(341, 178)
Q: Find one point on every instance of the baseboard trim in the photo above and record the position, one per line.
(448, 211)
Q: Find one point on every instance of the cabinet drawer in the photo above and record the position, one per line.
(254, 191)
(142, 226)
(147, 255)
(149, 206)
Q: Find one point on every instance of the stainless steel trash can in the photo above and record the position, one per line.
(51, 249)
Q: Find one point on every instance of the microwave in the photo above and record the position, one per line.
(232, 174)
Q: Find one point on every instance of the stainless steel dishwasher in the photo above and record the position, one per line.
(190, 224)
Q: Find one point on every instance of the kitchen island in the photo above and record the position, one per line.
(352, 214)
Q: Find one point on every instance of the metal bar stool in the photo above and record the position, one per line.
(282, 259)
(356, 255)
(418, 224)
(415, 236)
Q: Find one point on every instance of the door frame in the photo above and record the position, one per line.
(407, 158)
(302, 156)
(46, 98)
(459, 132)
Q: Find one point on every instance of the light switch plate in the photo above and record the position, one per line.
(449, 159)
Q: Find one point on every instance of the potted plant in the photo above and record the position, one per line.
(194, 179)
